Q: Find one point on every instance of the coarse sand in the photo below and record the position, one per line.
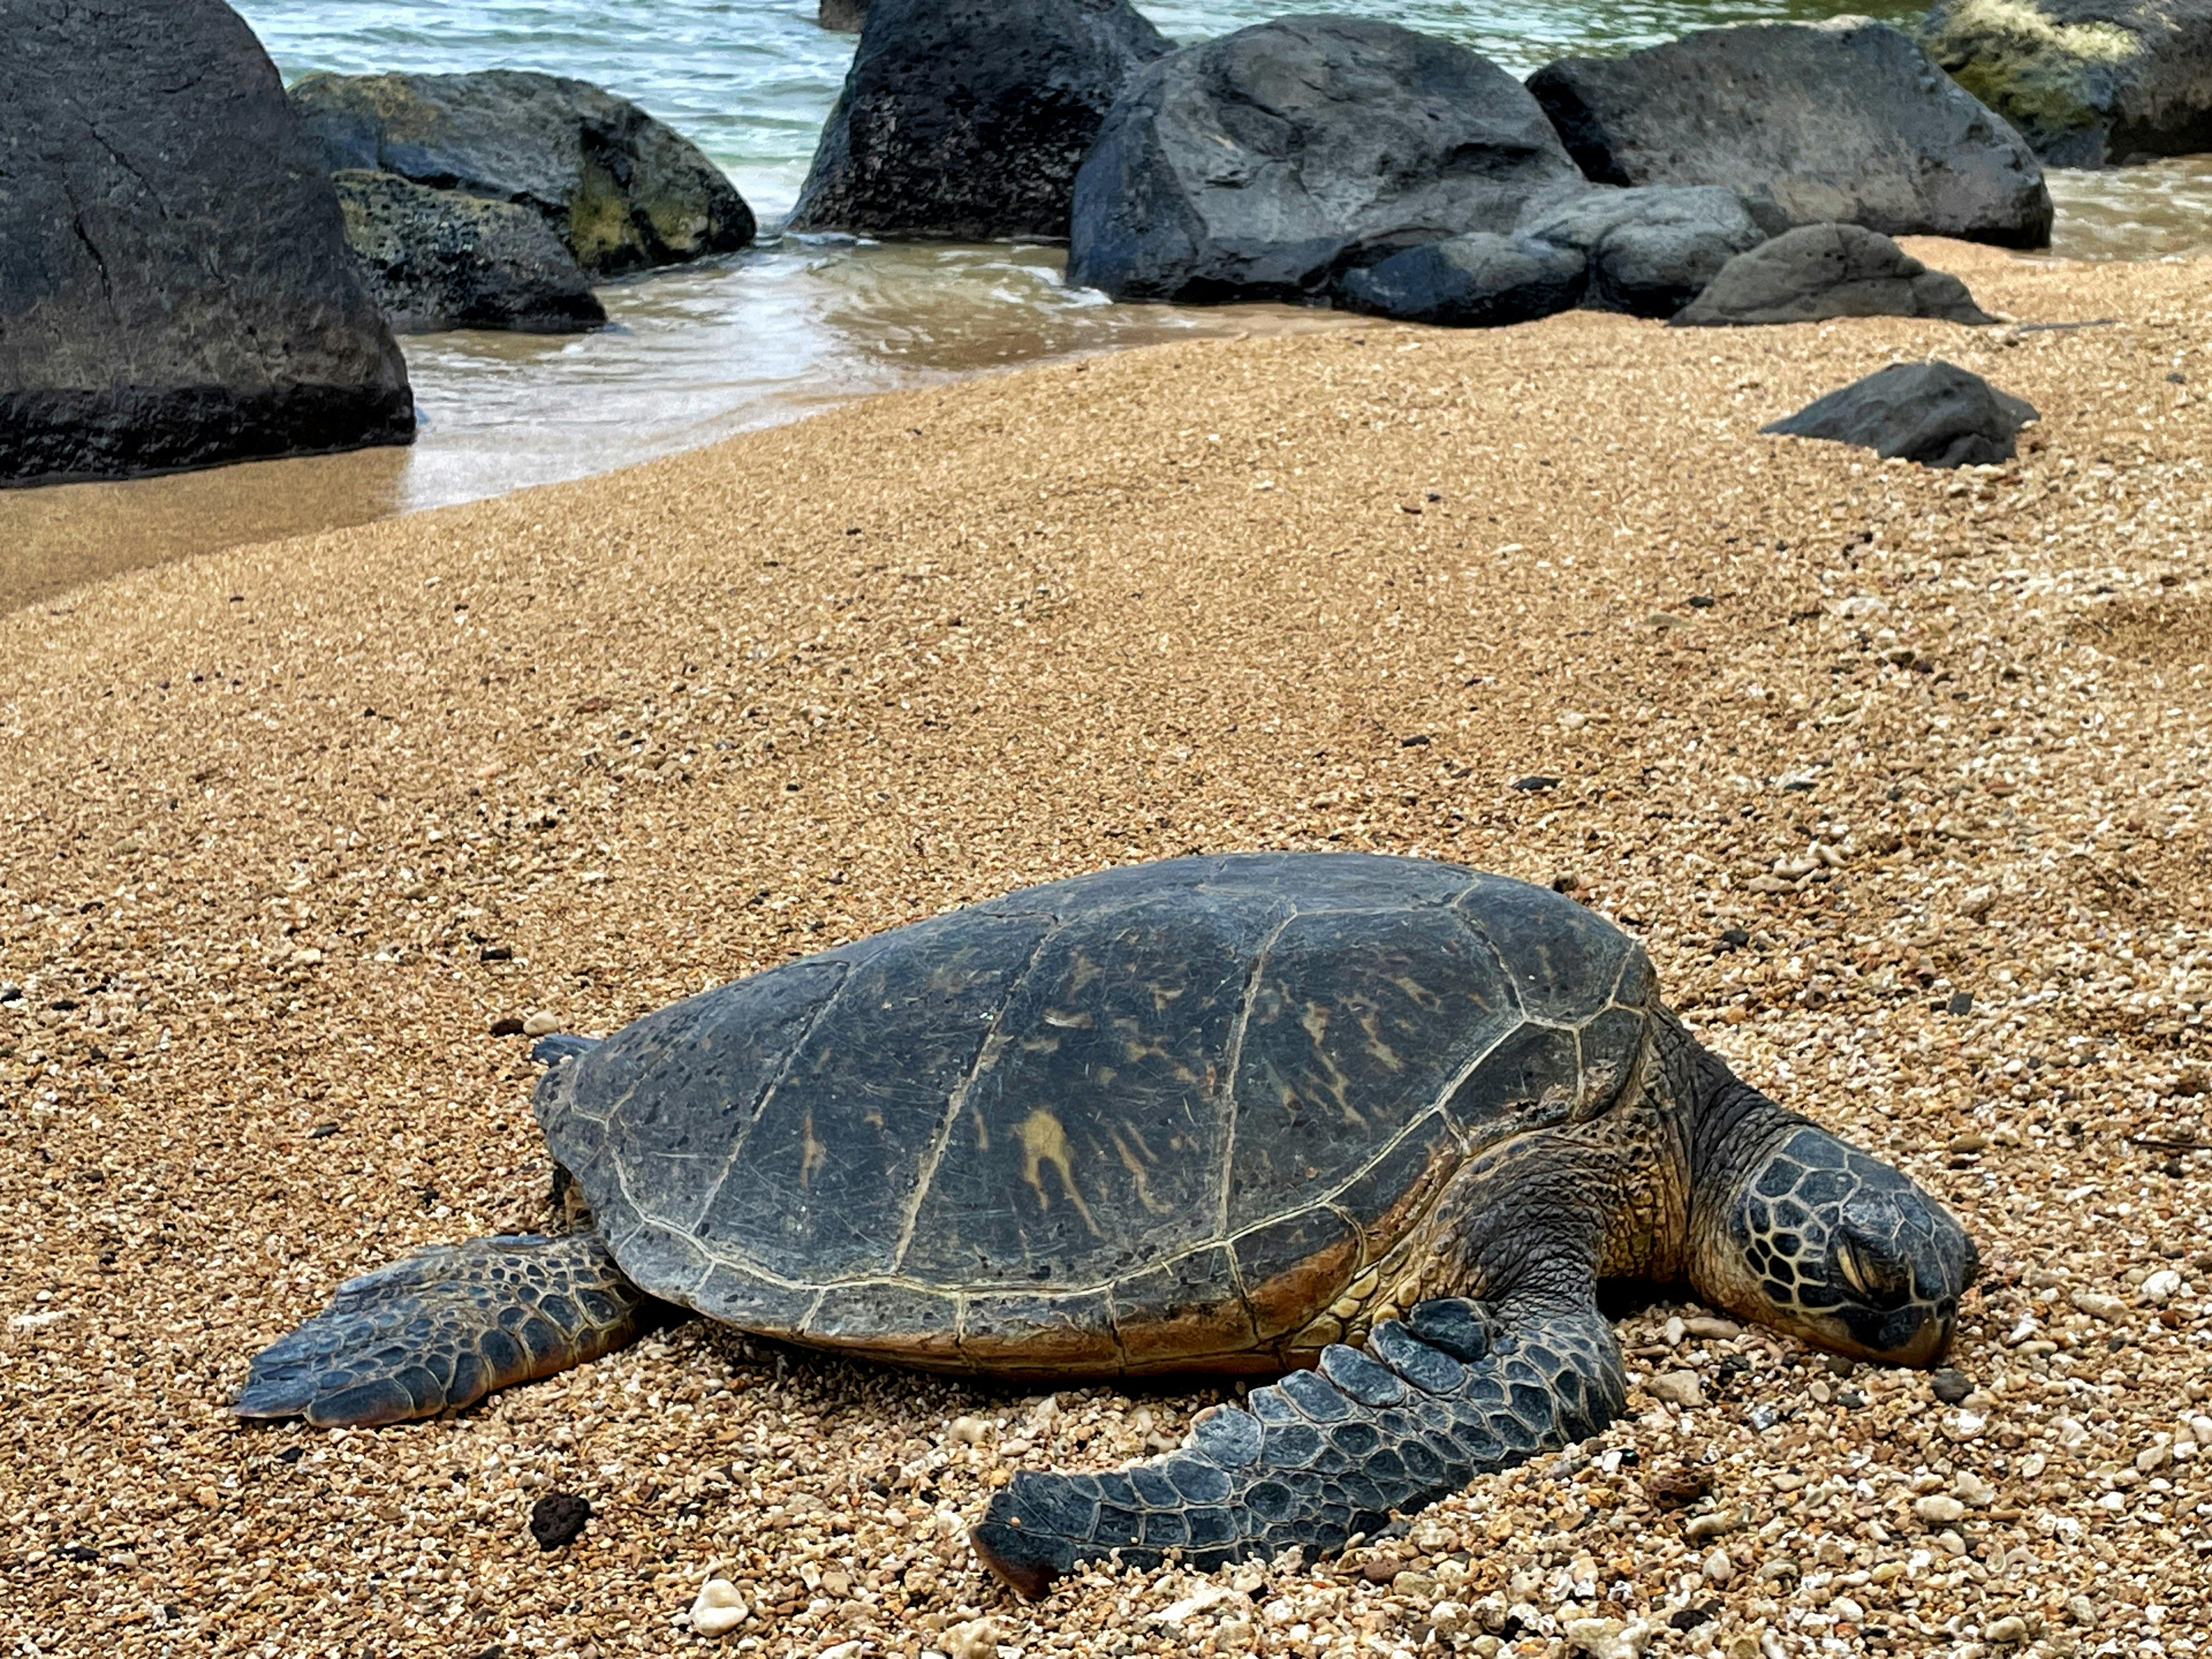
(1901, 773)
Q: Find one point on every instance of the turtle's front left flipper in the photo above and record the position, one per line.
(1325, 1454)
(444, 1328)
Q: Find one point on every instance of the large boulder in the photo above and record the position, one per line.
(1650, 250)
(436, 259)
(1264, 164)
(1844, 121)
(622, 191)
(1818, 271)
(1481, 280)
(967, 118)
(173, 283)
(2089, 82)
(1935, 413)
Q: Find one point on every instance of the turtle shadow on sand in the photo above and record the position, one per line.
(1376, 1127)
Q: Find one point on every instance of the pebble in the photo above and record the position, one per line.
(1676, 1389)
(967, 1431)
(544, 1022)
(2098, 1305)
(976, 1639)
(2006, 1631)
(1950, 1385)
(2162, 1287)
(558, 1518)
(1710, 1328)
(1717, 1567)
(1937, 1509)
(719, 1608)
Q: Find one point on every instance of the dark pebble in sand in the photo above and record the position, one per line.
(507, 1025)
(1950, 1386)
(1536, 781)
(557, 1518)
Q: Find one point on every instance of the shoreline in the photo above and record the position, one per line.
(61, 536)
(295, 823)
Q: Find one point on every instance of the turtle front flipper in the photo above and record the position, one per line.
(444, 1326)
(1325, 1454)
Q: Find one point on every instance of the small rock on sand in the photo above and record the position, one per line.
(719, 1608)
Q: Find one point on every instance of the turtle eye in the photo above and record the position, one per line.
(1878, 1280)
(1847, 1263)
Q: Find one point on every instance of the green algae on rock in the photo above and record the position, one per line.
(2087, 82)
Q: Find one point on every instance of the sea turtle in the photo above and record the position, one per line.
(1236, 1114)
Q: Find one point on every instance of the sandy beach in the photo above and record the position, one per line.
(1899, 774)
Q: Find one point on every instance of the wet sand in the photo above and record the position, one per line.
(692, 355)
(1899, 775)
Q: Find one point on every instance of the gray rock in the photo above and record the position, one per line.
(845, 16)
(1478, 280)
(437, 259)
(1846, 121)
(967, 119)
(2087, 82)
(1935, 413)
(1819, 271)
(622, 191)
(1261, 165)
(1652, 251)
(174, 284)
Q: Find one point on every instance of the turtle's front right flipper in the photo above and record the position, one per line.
(444, 1328)
(1325, 1454)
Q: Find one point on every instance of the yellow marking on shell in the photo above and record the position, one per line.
(1315, 1022)
(812, 1152)
(1345, 1307)
(1364, 1287)
(1418, 994)
(1371, 1023)
(1044, 1140)
(1136, 1170)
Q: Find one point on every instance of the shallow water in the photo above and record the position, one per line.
(796, 325)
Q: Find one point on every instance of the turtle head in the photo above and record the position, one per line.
(1822, 1241)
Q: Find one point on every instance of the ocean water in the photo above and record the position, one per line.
(751, 81)
(792, 325)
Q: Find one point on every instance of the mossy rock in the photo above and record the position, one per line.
(2086, 83)
(622, 190)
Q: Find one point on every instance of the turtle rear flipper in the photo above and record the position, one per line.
(1329, 1453)
(443, 1328)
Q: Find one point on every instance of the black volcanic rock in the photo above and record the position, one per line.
(1846, 121)
(1818, 271)
(174, 284)
(1652, 250)
(438, 259)
(966, 119)
(1265, 164)
(1935, 413)
(1482, 280)
(623, 190)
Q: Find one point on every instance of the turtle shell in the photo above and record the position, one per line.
(1149, 1119)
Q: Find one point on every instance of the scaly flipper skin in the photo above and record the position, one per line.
(1325, 1454)
(444, 1328)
